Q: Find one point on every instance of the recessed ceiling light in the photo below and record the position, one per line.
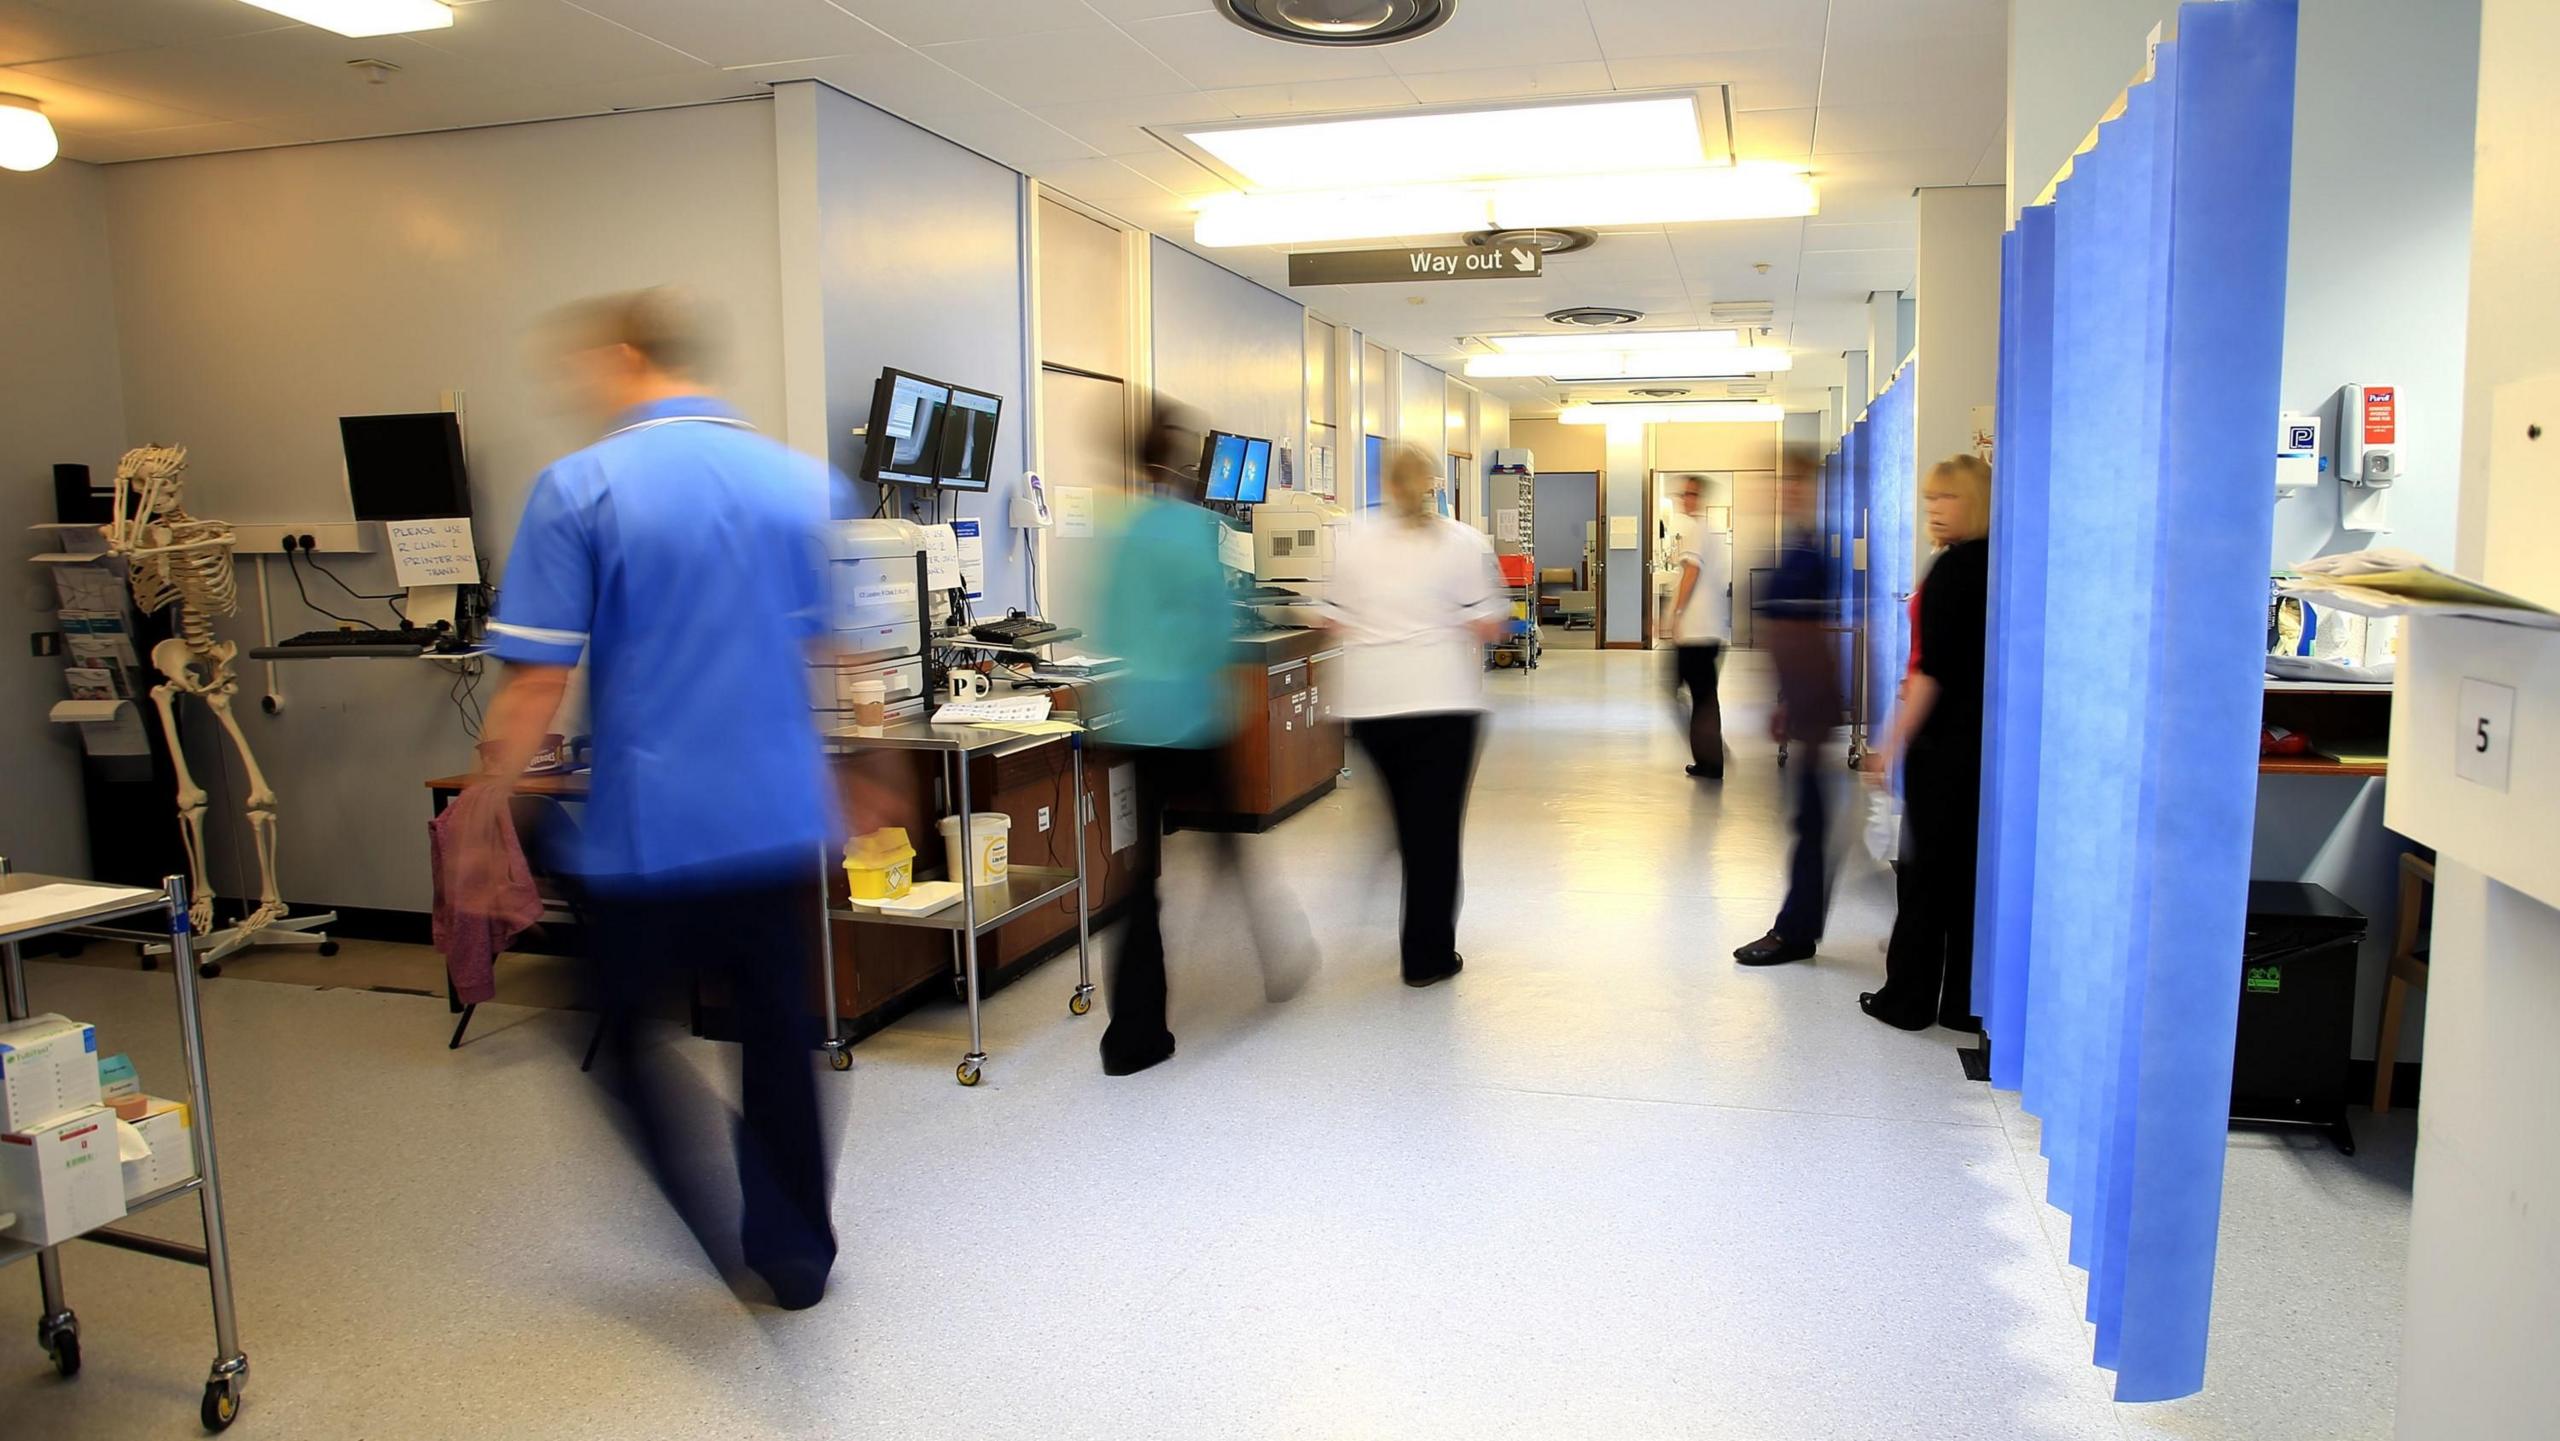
(1592, 344)
(357, 19)
(1482, 142)
(1339, 22)
(1583, 315)
(1746, 192)
(1677, 412)
(1693, 364)
(1562, 240)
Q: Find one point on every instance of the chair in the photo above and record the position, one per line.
(2408, 969)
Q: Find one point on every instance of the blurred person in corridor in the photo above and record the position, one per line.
(1417, 597)
(1937, 745)
(679, 557)
(1699, 621)
(1793, 610)
(1164, 612)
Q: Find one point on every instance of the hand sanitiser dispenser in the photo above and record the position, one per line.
(2368, 454)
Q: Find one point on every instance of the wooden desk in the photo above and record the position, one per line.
(1287, 752)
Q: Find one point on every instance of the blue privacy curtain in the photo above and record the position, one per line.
(2142, 328)
(1889, 444)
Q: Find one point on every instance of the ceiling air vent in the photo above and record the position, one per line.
(1746, 387)
(1560, 241)
(1339, 22)
(1742, 312)
(1592, 317)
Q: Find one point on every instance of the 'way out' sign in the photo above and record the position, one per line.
(1407, 264)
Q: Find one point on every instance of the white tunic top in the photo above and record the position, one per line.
(1407, 596)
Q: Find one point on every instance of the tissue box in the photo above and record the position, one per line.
(48, 1070)
(62, 1179)
(165, 1128)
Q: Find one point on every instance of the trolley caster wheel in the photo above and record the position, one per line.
(1080, 1003)
(209, 969)
(63, 1344)
(150, 962)
(968, 1073)
(327, 948)
(221, 1405)
(839, 1059)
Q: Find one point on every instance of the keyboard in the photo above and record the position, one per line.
(1016, 630)
(348, 642)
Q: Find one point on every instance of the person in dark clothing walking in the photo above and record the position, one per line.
(1791, 612)
(1937, 739)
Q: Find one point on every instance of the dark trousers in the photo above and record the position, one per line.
(1694, 670)
(1808, 903)
(1136, 990)
(1427, 763)
(755, 941)
(1928, 966)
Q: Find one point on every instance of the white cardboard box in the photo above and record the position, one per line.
(166, 1126)
(62, 1179)
(48, 1070)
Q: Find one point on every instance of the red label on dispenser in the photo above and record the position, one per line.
(2381, 415)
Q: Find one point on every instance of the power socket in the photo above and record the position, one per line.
(1044, 820)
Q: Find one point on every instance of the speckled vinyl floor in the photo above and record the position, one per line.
(1606, 1184)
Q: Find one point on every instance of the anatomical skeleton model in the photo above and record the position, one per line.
(174, 558)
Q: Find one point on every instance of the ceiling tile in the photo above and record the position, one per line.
(276, 72)
(1518, 82)
(1486, 34)
(1773, 135)
(1896, 22)
(1118, 126)
(1903, 169)
(894, 78)
(1176, 172)
(30, 31)
(1117, 10)
(1857, 129)
(163, 22)
(1380, 92)
(1924, 69)
(549, 42)
(1098, 181)
(1993, 167)
(92, 110)
(1848, 200)
(694, 87)
(1859, 269)
(1759, 79)
(1016, 138)
(1214, 54)
(1688, 27)
(756, 34)
(937, 22)
(1878, 236)
(1061, 68)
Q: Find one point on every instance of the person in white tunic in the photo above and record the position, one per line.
(1417, 596)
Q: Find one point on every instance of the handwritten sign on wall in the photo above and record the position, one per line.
(432, 552)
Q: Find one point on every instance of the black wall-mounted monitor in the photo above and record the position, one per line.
(405, 467)
(969, 439)
(1253, 482)
(903, 444)
(1222, 465)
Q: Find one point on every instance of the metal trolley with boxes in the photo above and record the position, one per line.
(1512, 499)
(31, 907)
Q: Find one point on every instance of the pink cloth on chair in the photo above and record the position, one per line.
(481, 817)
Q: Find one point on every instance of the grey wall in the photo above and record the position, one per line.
(261, 295)
(919, 255)
(1233, 350)
(61, 399)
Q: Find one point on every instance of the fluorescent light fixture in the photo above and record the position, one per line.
(1724, 360)
(1654, 132)
(27, 141)
(1614, 340)
(1680, 412)
(357, 19)
(1748, 192)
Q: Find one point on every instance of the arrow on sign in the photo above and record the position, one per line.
(1521, 258)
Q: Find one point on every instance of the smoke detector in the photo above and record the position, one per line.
(1593, 317)
(1339, 22)
(1561, 241)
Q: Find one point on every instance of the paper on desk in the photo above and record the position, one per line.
(1005, 708)
(2395, 582)
(37, 905)
(1033, 728)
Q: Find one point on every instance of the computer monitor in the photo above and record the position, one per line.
(405, 467)
(903, 444)
(969, 439)
(1254, 481)
(1222, 464)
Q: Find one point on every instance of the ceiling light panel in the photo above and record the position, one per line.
(1755, 192)
(1710, 363)
(360, 18)
(1659, 132)
(1612, 341)
(1677, 412)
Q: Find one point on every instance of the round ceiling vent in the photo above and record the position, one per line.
(1660, 392)
(1594, 316)
(1339, 22)
(1553, 242)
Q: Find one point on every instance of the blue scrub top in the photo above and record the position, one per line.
(682, 556)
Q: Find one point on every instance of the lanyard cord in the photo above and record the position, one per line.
(677, 420)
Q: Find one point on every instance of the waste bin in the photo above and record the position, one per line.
(2297, 1010)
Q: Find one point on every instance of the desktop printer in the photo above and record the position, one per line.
(876, 625)
(1292, 557)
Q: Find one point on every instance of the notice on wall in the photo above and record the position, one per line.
(432, 552)
(1075, 512)
(973, 558)
(1622, 532)
(1506, 524)
(941, 558)
(1124, 807)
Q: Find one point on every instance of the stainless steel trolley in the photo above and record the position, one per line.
(1025, 888)
(58, 1330)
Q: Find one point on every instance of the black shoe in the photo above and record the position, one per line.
(1418, 980)
(1702, 773)
(796, 1285)
(1867, 1003)
(1969, 1025)
(1130, 1060)
(1773, 950)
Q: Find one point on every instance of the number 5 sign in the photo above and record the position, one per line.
(2484, 714)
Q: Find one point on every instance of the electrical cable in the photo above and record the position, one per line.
(393, 598)
(294, 565)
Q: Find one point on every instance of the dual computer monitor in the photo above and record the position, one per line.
(1236, 468)
(926, 432)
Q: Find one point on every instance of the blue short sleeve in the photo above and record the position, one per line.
(548, 603)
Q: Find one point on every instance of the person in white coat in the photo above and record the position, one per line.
(1417, 597)
(1700, 624)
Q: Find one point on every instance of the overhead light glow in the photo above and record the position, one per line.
(1614, 340)
(357, 19)
(1678, 412)
(27, 141)
(1658, 132)
(1724, 360)
(1749, 192)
